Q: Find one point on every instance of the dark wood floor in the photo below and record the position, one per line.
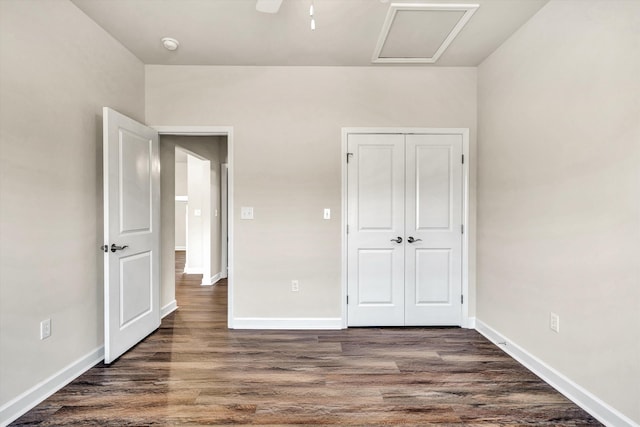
(194, 371)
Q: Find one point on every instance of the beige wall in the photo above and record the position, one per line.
(167, 222)
(559, 191)
(181, 207)
(181, 178)
(287, 134)
(57, 70)
(180, 224)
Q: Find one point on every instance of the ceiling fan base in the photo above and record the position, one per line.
(268, 6)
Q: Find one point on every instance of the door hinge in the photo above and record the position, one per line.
(461, 299)
(461, 228)
(347, 228)
(347, 299)
(349, 154)
(463, 159)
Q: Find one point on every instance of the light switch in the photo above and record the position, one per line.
(246, 212)
(197, 212)
(327, 213)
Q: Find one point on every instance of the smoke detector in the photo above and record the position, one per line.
(170, 43)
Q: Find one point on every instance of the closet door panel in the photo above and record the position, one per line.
(376, 220)
(433, 252)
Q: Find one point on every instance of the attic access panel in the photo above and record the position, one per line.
(420, 33)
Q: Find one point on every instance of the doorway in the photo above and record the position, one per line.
(194, 140)
(405, 208)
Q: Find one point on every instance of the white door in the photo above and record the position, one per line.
(131, 231)
(404, 263)
(376, 230)
(433, 222)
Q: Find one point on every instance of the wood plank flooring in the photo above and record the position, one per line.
(194, 371)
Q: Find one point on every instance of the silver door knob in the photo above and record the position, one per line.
(411, 239)
(398, 240)
(114, 247)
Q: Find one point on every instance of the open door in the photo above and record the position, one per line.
(131, 163)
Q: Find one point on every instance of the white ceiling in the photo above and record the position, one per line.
(232, 32)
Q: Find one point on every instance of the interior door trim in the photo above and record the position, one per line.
(467, 321)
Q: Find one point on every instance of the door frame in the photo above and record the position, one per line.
(464, 132)
(216, 131)
(224, 208)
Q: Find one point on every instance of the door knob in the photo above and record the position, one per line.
(398, 240)
(117, 248)
(411, 239)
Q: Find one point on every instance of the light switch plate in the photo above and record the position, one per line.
(327, 213)
(45, 329)
(554, 322)
(246, 212)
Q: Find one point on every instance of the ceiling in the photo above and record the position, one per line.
(232, 32)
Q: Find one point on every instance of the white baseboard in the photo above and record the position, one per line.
(181, 248)
(19, 406)
(193, 270)
(470, 324)
(586, 400)
(168, 309)
(318, 323)
(212, 281)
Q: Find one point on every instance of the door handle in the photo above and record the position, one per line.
(117, 248)
(398, 240)
(411, 239)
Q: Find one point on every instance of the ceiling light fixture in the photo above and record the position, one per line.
(313, 20)
(170, 43)
(268, 6)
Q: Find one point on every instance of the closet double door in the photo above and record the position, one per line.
(404, 254)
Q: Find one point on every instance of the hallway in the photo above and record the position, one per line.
(194, 371)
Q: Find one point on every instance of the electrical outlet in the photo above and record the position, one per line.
(295, 286)
(554, 322)
(45, 329)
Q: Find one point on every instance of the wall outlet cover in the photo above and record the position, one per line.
(246, 212)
